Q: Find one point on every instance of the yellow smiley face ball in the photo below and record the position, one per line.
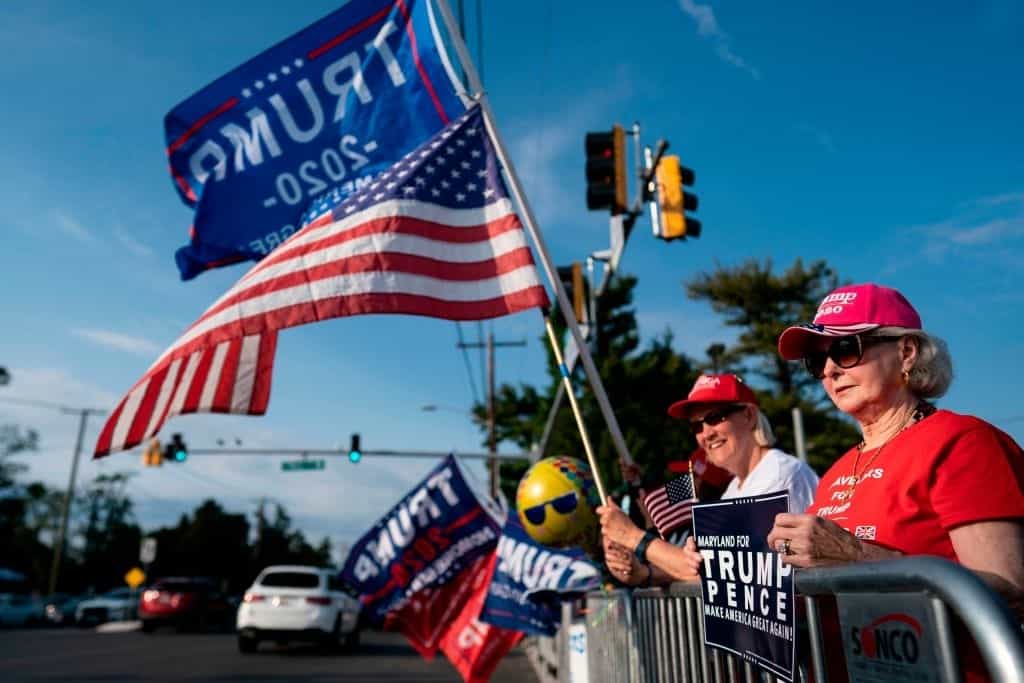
(556, 500)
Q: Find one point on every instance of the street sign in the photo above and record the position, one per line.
(134, 577)
(293, 465)
(147, 551)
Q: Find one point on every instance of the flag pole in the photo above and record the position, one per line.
(567, 383)
(564, 304)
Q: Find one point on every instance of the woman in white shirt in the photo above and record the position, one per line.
(736, 436)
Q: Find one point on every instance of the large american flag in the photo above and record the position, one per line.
(434, 235)
(671, 506)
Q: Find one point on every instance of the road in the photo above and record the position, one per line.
(87, 655)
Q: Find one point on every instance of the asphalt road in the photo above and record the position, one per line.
(86, 655)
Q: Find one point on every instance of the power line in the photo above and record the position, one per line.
(465, 357)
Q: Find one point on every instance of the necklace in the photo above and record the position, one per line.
(921, 411)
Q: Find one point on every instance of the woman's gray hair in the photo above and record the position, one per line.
(763, 434)
(933, 370)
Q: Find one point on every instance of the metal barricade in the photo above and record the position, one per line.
(655, 635)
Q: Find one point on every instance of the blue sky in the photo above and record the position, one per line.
(885, 139)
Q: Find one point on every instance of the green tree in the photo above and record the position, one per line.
(20, 509)
(108, 537)
(14, 440)
(761, 303)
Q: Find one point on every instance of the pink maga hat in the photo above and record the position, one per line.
(713, 389)
(850, 310)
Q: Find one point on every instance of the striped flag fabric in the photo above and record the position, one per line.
(671, 506)
(436, 235)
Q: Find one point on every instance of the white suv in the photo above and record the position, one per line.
(289, 603)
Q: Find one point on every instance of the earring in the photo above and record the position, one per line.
(906, 376)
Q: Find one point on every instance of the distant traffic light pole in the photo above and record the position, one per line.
(58, 545)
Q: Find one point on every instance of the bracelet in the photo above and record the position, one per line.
(641, 548)
(650, 575)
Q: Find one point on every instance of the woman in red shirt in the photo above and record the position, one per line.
(922, 481)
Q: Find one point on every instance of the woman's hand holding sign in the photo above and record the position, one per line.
(812, 541)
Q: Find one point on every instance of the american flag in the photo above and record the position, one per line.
(435, 235)
(670, 506)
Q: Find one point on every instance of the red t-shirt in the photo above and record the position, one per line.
(942, 472)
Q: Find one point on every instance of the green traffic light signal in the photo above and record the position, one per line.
(176, 450)
(355, 454)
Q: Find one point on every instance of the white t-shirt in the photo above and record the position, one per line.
(778, 471)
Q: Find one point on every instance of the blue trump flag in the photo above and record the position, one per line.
(531, 580)
(324, 110)
(438, 530)
(747, 588)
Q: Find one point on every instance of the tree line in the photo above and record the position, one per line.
(104, 536)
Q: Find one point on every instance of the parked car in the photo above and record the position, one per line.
(185, 602)
(59, 608)
(20, 610)
(290, 603)
(115, 605)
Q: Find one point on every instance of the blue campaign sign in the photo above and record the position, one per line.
(531, 580)
(435, 532)
(748, 591)
(326, 109)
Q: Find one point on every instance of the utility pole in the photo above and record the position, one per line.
(492, 439)
(58, 545)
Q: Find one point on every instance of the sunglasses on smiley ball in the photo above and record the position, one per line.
(846, 352)
(563, 505)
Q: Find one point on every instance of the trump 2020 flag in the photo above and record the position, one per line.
(412, 571)
(435, 235)
(329, 107)
(531, 580)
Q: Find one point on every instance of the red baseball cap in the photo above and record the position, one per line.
(850, 310)
(702, 468)
(713, 389)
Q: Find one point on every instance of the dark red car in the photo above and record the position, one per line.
(184, 603)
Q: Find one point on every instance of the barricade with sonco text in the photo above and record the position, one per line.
(895, 620)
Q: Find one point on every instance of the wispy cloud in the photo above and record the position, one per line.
(981, 224)
(816, 134)
(998, 200)
(132, 244)
(117, 341)
(543, 146)
(70, 225)
(707, 27)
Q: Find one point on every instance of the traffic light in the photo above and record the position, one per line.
(575, 288)
(606, 170)
(176, 450)
(674, 202)
(153, 455)
(355, 453)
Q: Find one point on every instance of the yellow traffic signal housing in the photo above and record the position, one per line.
(153, 455)
(673, 201)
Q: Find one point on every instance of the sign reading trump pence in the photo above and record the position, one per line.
(748, 591)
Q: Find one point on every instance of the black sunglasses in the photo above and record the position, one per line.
(714, 417)
(563, 505)
(846, 352)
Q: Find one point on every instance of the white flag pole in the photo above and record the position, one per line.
(476, 87)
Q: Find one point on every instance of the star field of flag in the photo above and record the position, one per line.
(456, 169)
(679, 489)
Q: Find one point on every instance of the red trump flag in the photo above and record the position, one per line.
(434, 235)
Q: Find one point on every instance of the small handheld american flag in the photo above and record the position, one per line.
(671, 506)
